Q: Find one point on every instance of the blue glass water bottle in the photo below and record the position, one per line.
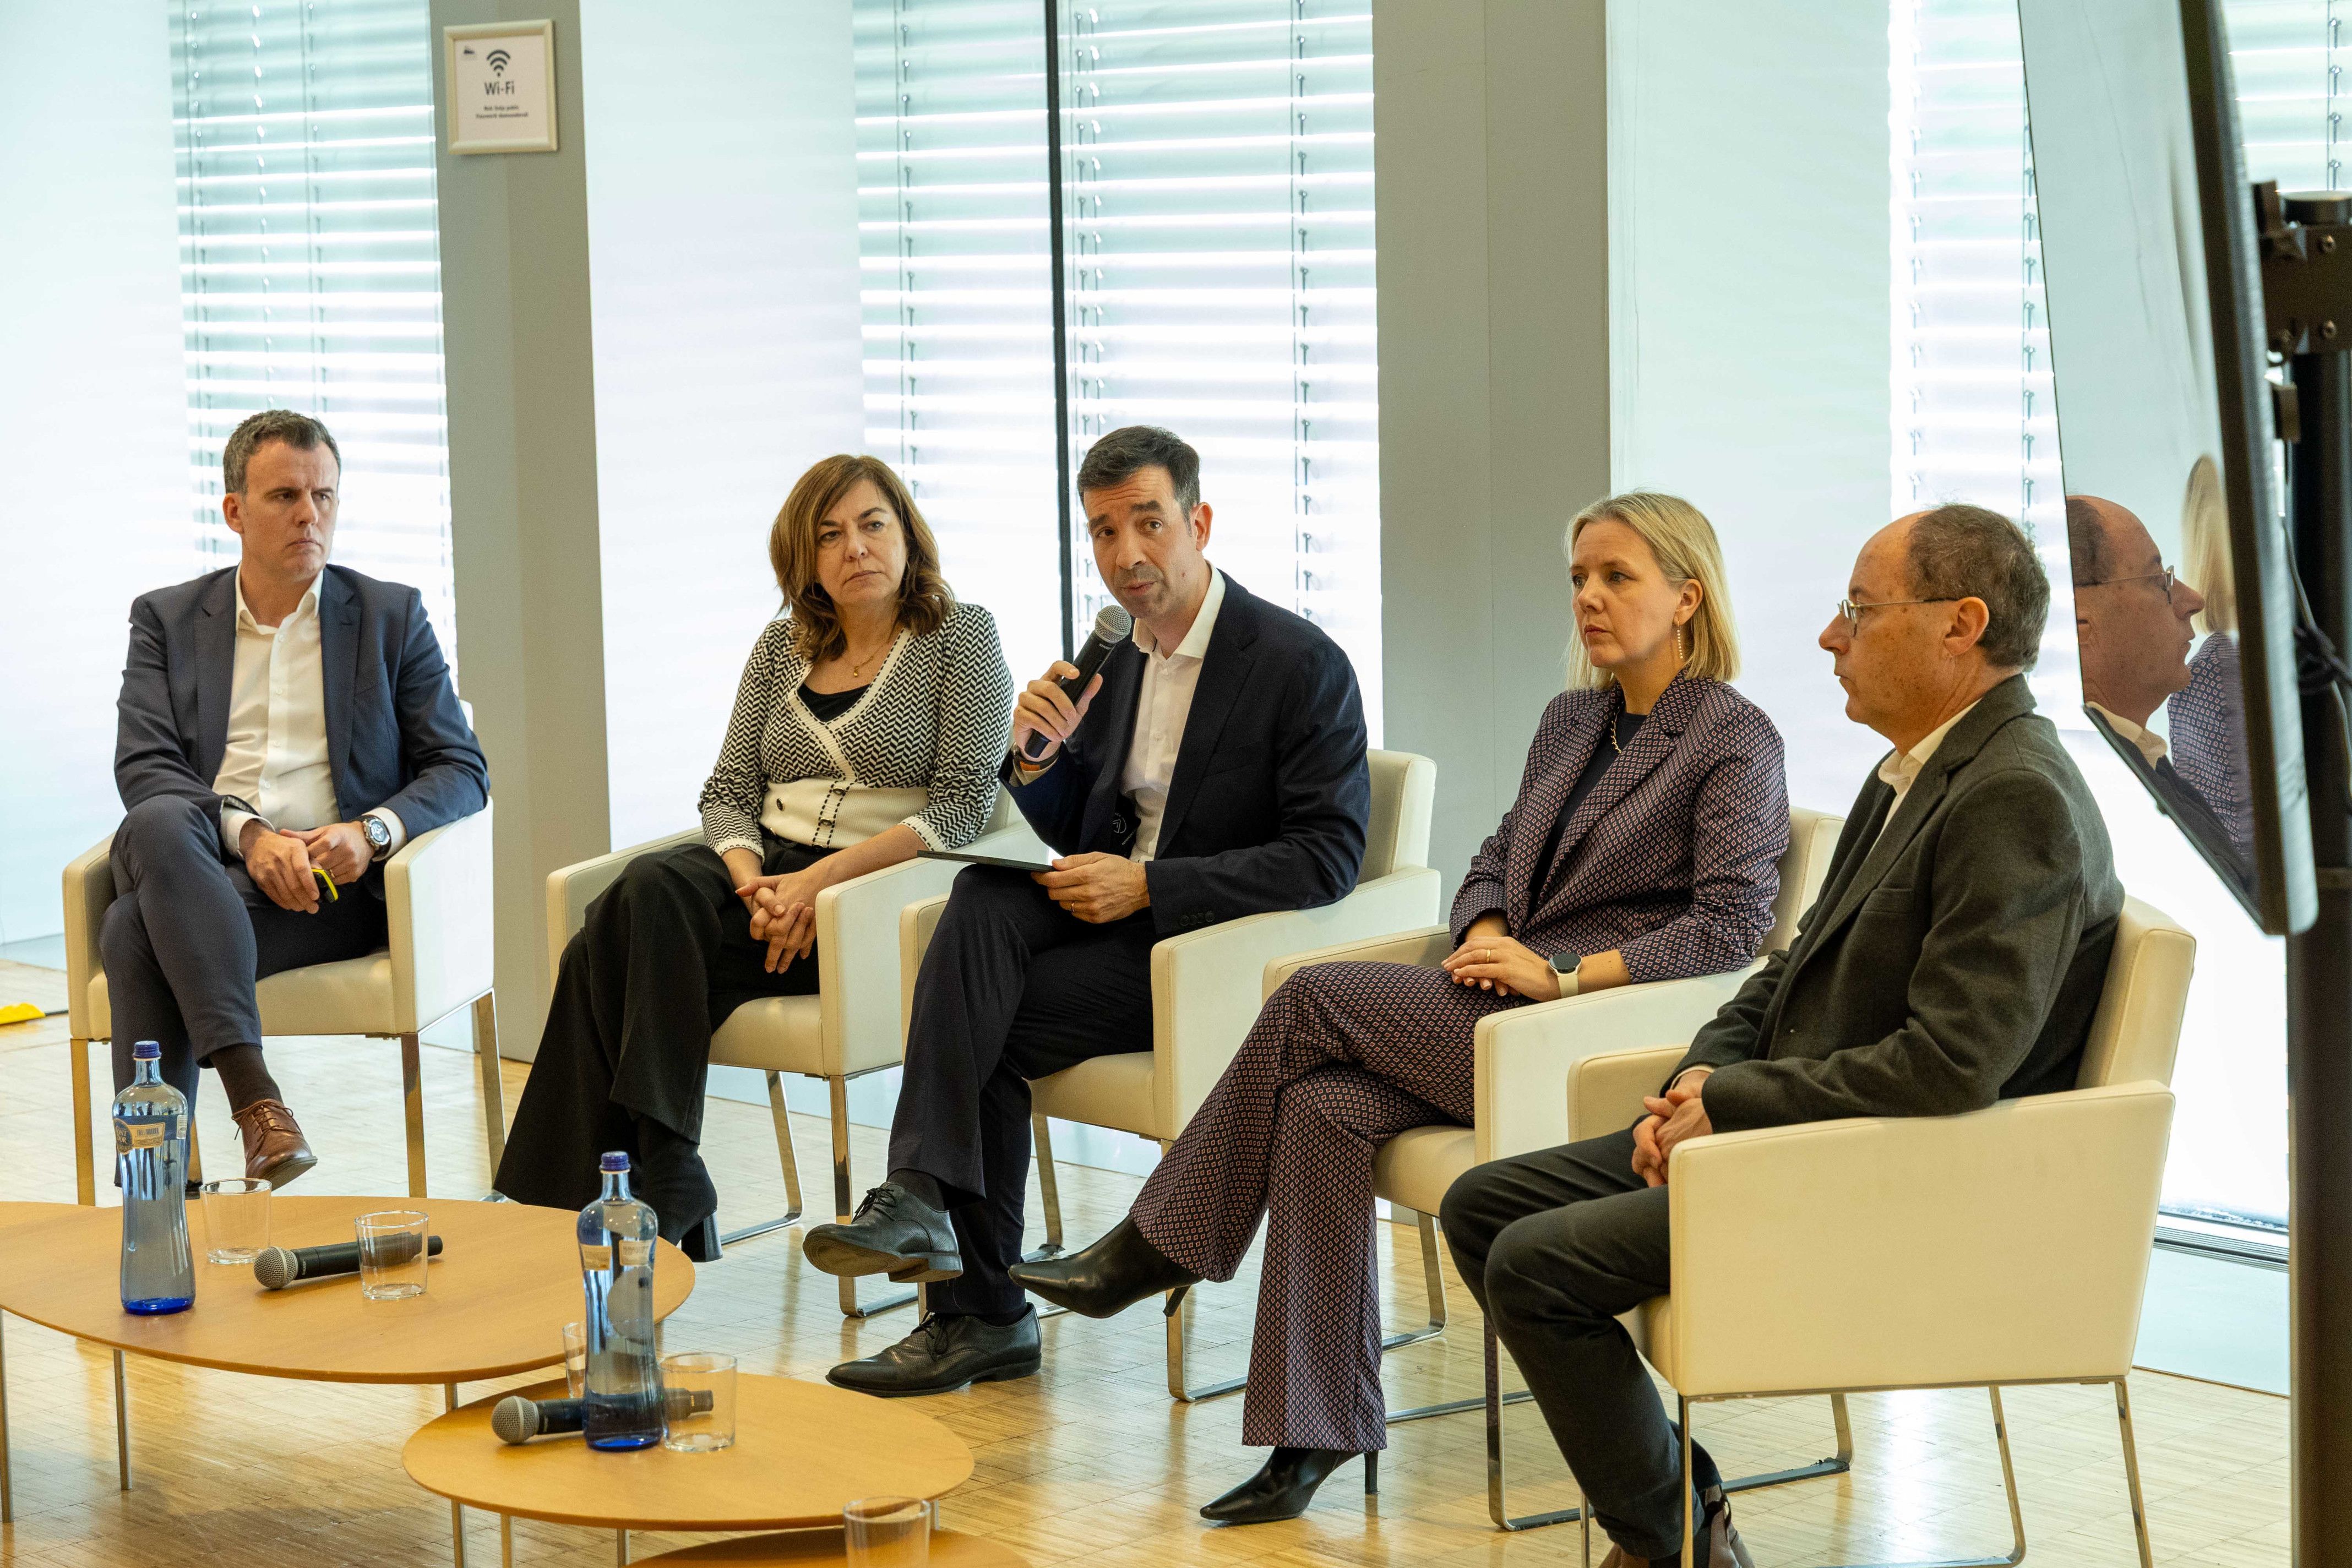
(624, 1391)
(151, 1159)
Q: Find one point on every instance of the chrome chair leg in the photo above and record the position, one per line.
(494, 1093)
(2016, 1512)
(1498, 1502)
(850, 1305)
(781, 1115)
(8, 1488)
(1179, 1375)
(1048, 1187)
(1433, 1280)
(412, 1099)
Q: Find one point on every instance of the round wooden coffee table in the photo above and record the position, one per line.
(495, 1302)
(803, 1451)
(824, 1549)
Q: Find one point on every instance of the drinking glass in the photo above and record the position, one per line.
(575, 1359)
(392, 1255)
(237, 1219)
(706, 1381)
(887, 1532)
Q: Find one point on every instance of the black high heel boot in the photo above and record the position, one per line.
(1286, 1484)
(1106, 1279)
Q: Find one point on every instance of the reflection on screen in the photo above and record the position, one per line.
(2155, 623)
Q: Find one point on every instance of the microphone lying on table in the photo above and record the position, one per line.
(516, 1419)
(275, 1267)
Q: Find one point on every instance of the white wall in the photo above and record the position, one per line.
(1749, 195)
(93, 417)
(722, 237)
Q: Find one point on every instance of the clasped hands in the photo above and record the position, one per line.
(281, 861)
(1492, 960)
(1677, 1114)
(783, 915)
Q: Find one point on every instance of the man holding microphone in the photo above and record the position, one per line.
(1214, 768)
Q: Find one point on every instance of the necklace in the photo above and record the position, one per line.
(1616, 746)
(857, 665)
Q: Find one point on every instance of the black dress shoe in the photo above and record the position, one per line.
(1106, 1279)
(943, 1354)
(1285, 1486)
(895, 1233)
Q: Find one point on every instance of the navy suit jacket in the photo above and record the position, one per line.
(395, 736)
(1268, 805)
(1672, 860)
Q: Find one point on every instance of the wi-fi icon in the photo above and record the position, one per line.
(499, 59)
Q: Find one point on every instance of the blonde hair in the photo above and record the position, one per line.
(2205, 547)
(924, 597)
(1684, 543)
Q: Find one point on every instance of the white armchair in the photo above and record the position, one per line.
(2005, 1246)
(1204, 998)
(1522, 1058)
(439, 959)
(849, 1028)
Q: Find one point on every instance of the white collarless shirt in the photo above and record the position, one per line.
(276, 759)
(1162, 704)
(1901, 770)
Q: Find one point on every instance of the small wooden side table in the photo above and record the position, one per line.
(803, 1451)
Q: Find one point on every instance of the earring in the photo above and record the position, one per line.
(1682, 648)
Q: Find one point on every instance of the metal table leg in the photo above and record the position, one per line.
(122, 1425)
(8, 1493)
(621, 1547)
(458, 1509)
(506, 1540)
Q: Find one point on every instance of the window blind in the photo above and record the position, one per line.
(957, 293)
(310, 260)
(1217, 246)
(1218, 168)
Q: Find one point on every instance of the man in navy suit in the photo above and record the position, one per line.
(284, 725)
(1213, 769)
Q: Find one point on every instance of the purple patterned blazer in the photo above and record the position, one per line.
(1673, 859)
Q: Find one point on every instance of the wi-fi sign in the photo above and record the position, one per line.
(498, 59)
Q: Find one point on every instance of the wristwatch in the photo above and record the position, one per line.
(379, 836)
(1565, 965)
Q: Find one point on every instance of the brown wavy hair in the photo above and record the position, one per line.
(925, 599)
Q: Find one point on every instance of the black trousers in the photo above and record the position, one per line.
(1012, 988)
(664, 954)
(189, 935)
(1555, 1245)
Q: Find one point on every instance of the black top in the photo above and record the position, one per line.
(1625, 726)
(830, 705)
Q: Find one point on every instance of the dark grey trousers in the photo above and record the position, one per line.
(1555, 1245)
(189, 935)
(1012, 987)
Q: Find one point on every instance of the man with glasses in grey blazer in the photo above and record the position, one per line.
(1954, 958)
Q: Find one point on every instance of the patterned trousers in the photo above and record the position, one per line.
(1342, 1059)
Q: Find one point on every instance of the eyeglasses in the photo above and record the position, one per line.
(1851, 613)
(2167, 576)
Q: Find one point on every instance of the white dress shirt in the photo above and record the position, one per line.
(1901, 769)
(2142, 740)
(276, 759)
(1162, 704)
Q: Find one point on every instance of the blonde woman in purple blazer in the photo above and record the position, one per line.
(1643, 845)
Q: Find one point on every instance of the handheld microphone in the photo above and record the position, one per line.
(1112, 628)
(275, 1267)
(516, 1419)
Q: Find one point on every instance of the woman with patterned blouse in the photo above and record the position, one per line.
(1644, 845)
(868, 727)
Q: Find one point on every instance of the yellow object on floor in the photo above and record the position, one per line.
(20, 1013)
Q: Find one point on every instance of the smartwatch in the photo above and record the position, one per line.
(379, 836)
(1565, 965)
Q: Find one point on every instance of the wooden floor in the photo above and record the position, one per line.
(1089, 1462)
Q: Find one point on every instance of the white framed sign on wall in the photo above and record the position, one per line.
(502, 77)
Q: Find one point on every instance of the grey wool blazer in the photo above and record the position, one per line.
(1950, 961)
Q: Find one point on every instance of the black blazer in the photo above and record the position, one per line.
(1268, 806)
(1953, 961)
(395, 736)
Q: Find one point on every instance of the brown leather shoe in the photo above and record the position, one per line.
(1724, 1548)
(275, 1149)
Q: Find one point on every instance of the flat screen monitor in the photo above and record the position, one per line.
(2183, 604)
